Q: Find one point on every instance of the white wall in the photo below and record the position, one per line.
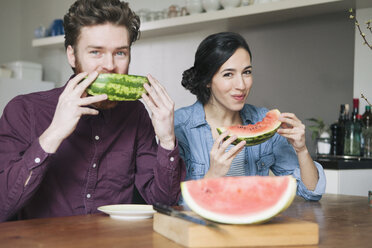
(33, 13)
(305, 66)
(10, 30)
(363, 60)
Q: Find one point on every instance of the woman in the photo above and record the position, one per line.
(221, 79)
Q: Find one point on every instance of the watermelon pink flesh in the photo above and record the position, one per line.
(244, 196)
(267, 124)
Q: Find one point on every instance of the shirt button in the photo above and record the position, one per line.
(171, 159)
(88, 196)
(97, 137)
(37, 160)
(94, 165)
(262, 163)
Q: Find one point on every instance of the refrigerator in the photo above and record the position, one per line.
(11, 87)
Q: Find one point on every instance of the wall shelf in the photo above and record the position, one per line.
(48, 41)
(256, 14)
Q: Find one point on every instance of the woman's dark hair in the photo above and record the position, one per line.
(96, 12)
(211, 54)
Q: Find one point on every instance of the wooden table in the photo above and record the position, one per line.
(344, 221)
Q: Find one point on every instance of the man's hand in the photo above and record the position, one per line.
(162, 112)
(70, 107)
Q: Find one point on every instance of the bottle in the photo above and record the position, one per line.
(367, 116)
(355, 106)
(334, 132)
(367, 132)
(353, 128)
(347, 108)
(340, 131)
(360, 128)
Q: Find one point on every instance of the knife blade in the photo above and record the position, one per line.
(167, 210)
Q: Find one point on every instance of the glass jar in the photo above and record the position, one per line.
(352, 141)
(323, 146)
(367, 142)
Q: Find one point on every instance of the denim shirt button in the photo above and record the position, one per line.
(263, 164)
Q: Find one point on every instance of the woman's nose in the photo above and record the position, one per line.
(240, 83)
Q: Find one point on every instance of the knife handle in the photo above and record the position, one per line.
(162, 208)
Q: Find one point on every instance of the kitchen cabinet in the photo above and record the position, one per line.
(246, 16)
(11, 87)
(348, 177)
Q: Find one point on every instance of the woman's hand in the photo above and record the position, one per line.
(220, 159)
(293, 129)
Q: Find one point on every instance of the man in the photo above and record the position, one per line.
(65, 153)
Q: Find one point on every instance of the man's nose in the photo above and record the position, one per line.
(108, 63)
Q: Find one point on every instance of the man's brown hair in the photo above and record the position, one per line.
(97, 12)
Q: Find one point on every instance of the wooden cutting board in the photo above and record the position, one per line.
(279, 231)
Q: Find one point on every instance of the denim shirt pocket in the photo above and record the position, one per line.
(264, 163)
(195, 170)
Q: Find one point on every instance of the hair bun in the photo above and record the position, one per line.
(188, 78)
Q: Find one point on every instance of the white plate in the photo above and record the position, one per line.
(128, 211)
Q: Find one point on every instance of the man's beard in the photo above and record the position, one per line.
(106, 104)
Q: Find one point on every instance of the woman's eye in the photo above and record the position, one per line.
(247, 72)
(229, 74)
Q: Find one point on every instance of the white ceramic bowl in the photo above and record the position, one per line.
(194, 6)
(228, 4)
(211, 5)
(262, 1)
(246, 2)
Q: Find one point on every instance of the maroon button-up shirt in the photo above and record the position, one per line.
(98, 164)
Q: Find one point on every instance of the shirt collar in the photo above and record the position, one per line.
(198, 115)
(247, 114)
(106, 113)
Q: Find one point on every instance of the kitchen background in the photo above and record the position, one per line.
(308, 65)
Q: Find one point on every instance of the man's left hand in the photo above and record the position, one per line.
(162, 112)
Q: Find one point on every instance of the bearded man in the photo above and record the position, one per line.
(65, 153)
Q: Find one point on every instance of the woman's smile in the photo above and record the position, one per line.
(239, 97)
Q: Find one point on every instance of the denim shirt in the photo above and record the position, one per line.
(276, 154)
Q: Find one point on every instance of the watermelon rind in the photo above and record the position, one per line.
(255, 139)
(118, 87)
(256, 218)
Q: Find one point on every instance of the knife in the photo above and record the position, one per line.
(167, 210)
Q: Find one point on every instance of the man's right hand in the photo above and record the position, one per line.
(70, 107)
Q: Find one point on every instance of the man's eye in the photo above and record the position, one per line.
(121, 53)
(94, 52)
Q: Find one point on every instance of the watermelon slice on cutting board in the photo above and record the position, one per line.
(239, 200)
(255, 134)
